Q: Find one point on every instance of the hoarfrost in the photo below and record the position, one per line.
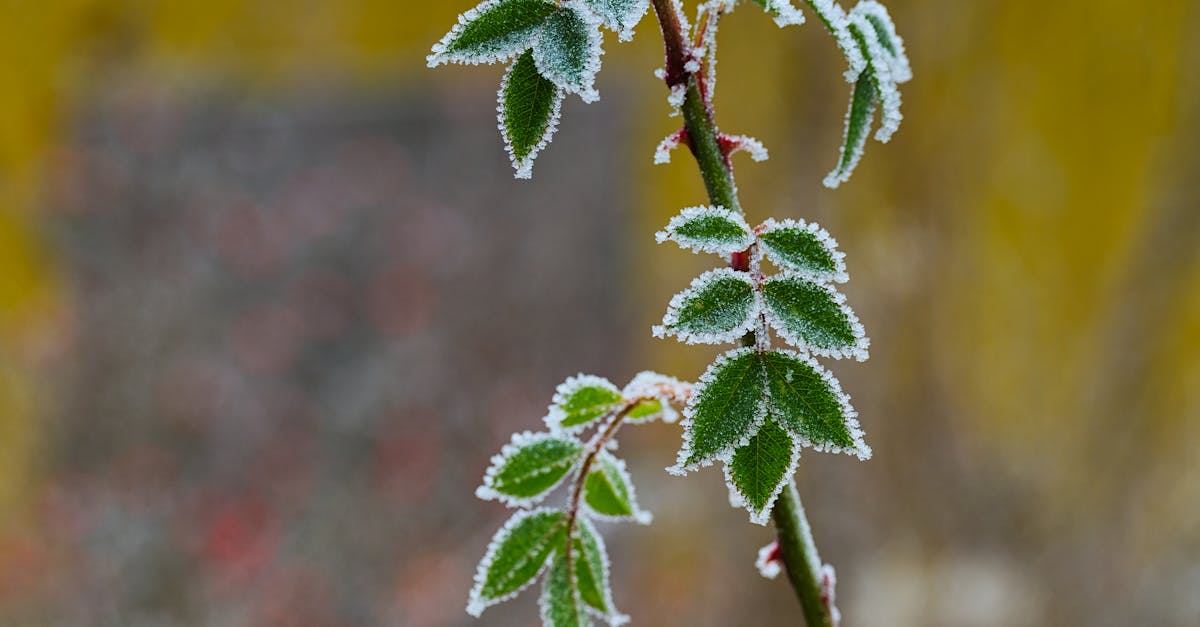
(770, 560)
(682, 467)
(619, 16)
(476, 603)
(487, 491)
(724, 325)
(523, 166)
(662, 154)
(724, 245)
(610, 463)
(565, 59)
(744, 143)
(771, 225)
(555, 414)
(613, 617)
(858, 350)
(499, 48)
(667, 390)
(859, 448)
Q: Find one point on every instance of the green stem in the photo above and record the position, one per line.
(795, 538)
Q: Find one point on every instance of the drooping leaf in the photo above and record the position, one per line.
(758, 470)
(645, 410)
(567, 51)
(725, 410)
(813, 317)
(834, 18)
(718, 307)
(496, 30)
(804, 248)
(708, 230)
(608, 490)
(658, 393)
(858, 127)
(879, 68)
(560, 604)
(529, 467)
(580, 400)
(529, 110)
(885, 32)
(517, 554)
(619, 15)
(807, 401)
(782, 10)
(591, 574)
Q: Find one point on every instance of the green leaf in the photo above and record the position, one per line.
(725, 409)
(808, 401)
(591, 573)
(758, 470)
(580, 400)
(608, 490)
(804, 248)
(708, 230)
(529, 467)
(529, 110)
(858, 127)
(813, 317)
(493, 31)
(785, 14)
(718, 307)
(567, 52)
(885, 32)
(517, 553)
(560, 604)
(645, 410)
(619, 15)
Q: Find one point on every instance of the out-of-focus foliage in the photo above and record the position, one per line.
(224, 392)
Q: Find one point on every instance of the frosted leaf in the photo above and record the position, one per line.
(529, 467)
(808, 401)
(858, 126)
(580, 400)
(567, 51)
(559, 603)
(528, 111)
(592, 575)
(770, 560)
(608, 491)
(804, 248)
(885, 32)
(725, 411)
(676, 97)
(496, 30)
(516, 555)
(813, 317)
(719, 307)
(619, 16)
(879, 68)
(731, 144)
(782, 10)
(708, 230)
(758, 470)
(659, 392)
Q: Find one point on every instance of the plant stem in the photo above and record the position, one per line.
(795, 538)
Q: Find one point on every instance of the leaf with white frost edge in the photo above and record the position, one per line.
(580, 400)
(879, 68)
(813, 317)
(858, 127)
(758, 470)
(516, 555)
(807, 400)
(496, 30)
(619, 15)
(559, 603)
(529, 111)
(659, 394)
(708, 230)
(836, 22)
(718, 308)
(803, 248)
(567, 51)
(529, 467)
(592, 575)
(725, 411)
(608, 491)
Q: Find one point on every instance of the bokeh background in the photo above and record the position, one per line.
(270, 299)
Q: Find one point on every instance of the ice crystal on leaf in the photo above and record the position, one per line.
(560, 604)
(809, 402)
(619, 15)
(813, 317)
(758, 470)
(592, 575)
(725, 410)
(580, 400)
(708, 230)
(782, 10)
(529, 468)
(568, 49)
(529, 109)
(495, 30)
(718, 308)
(803, 248)
(516, 555)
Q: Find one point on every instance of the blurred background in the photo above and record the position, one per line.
(270, 298)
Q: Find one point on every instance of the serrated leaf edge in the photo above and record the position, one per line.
(523, 167)
(860, 449)
(671, 318)
(438, 55)
(613, 617)
(475, 603)
(737, 499)
(488, 492)
(859, 350)
(587, 89)
(771, 225)
(670, 232)
(682, 467)
(555, 413)
(638, 515)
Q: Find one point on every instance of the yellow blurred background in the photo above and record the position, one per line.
(1025, 254)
